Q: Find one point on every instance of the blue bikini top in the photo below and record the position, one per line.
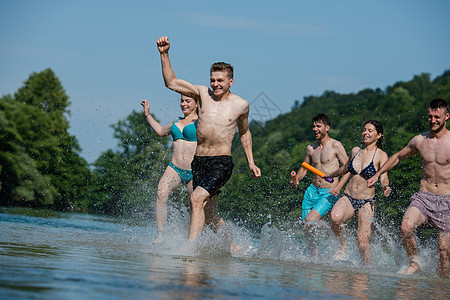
(189, 132)
(365, 173)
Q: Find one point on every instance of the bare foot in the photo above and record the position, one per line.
(315, 252)
(443, 273)
(235, 248)
(158, 240)
(414, 266)
(340, 255)
(188, 247)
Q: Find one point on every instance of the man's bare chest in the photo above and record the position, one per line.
(435, 151)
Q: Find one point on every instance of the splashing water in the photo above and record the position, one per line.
(290, 245)
(68, 256)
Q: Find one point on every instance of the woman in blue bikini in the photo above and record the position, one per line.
(184, 134)
(358, 198)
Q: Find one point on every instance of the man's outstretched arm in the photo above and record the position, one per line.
(408, 151)
(170, 80)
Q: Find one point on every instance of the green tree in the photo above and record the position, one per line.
(38, 139)
(125, 181)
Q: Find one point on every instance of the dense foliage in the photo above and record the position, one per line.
(39, 160)
(40, 163)
(125, 181)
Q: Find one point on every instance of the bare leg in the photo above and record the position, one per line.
(167, 184)
(310, 224)
(215, 222)
(444, 254)
(189, 189)
(412, 219)
(365, 221)
(198, 199)
(212, 218)
(342, 211)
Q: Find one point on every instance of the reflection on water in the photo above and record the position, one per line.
(51, 255)
(407, 289)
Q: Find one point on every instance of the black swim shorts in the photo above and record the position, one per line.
(211, 172)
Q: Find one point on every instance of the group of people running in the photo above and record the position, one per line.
(368, 164)
(321, 196)
(202, 161)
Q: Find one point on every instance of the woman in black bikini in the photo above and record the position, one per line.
(358, 198)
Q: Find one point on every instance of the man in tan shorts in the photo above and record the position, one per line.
(220, 112)
(432, 202)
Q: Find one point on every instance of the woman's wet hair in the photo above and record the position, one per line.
(379, 129)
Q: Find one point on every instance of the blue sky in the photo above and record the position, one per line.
(105, 55)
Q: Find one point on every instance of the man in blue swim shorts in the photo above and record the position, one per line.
(326, 154)
(220, 112)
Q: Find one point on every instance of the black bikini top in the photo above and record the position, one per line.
(365, 173)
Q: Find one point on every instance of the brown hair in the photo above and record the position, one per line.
(437, 103)
(322, 117)
(222, 66)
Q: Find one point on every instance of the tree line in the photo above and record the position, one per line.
(41, 166)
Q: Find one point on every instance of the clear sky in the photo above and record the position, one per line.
(105, 55)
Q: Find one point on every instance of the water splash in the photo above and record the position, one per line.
(289, 245)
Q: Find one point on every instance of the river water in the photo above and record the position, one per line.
(52, 255)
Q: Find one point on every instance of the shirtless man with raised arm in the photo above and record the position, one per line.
(432, 202)
(325, 154)
(220, 112)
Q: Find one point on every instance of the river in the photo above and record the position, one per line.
(54, 255)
